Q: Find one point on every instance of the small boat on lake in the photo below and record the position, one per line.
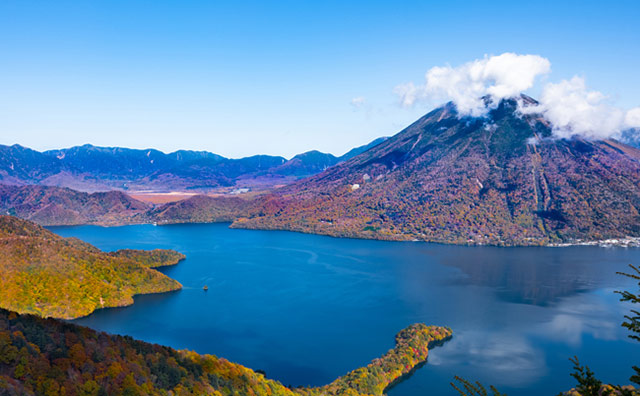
(205, 288)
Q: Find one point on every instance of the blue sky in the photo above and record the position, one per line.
(241, 78)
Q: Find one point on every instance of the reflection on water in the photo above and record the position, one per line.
(538, 276)
(598, 316)
(307, 308)
(512, 358)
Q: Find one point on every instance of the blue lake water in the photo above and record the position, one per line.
(307, 309)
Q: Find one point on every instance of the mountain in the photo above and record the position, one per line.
(199, 209)
(49, 206)
(90, 168)
(45, 274)
(503, 179)
(52, 357)
(308, 163)
(313, 162)
(62, 206)
(21, 165)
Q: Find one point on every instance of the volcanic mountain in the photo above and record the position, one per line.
(503, 179)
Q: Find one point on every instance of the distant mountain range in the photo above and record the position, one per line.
(90, 168)
(502, 180)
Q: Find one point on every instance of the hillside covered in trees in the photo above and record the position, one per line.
(50, 276)
(52, 357)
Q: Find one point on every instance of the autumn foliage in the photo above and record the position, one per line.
(50, 276)
(52, 357)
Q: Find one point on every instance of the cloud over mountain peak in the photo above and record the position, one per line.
(497, 77)
(478, 86)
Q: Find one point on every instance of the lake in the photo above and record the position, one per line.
(307, 308)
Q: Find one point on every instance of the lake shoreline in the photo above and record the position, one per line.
(627, 242)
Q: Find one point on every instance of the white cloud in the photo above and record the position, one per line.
(358, 102)
(632, 118)
(533, 140)
(512, 358)
(409, 94)
(498, 77)
(572, 109)
(580, 315)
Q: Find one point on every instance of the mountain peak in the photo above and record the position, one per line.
(513, 105)
(528, 100)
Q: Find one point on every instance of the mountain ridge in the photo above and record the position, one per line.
(91, 168)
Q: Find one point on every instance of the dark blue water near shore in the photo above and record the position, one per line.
(307, 308)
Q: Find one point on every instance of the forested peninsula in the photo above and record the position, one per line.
(51, 276)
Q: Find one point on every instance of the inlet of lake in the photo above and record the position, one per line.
(307, 308)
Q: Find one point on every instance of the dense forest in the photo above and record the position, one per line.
(52, 357)
(50, 276)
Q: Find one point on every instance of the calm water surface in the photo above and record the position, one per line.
(307, 309)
